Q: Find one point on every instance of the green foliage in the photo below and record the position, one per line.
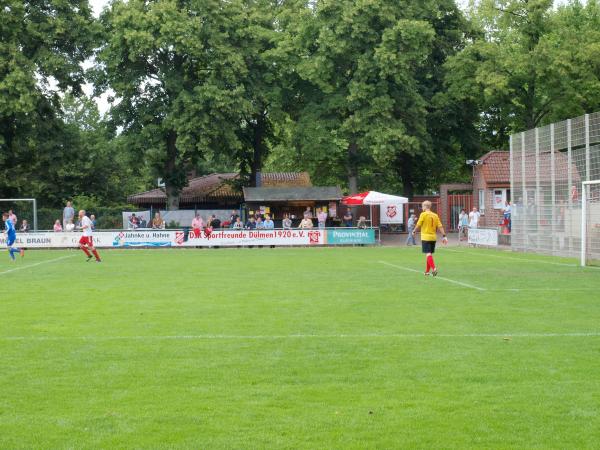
(530, 65)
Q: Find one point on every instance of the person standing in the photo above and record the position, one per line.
(287, 222)
(86, 243)
(321, 218)
(12, 216)
(412, 221)
(474, 217)
(197, 225)
(308, 213)
(463, 225)
(238, 225)
(24, 227)
(11, 237)
(68, 214)
(348, 218)
(429, 223)
(268, 223)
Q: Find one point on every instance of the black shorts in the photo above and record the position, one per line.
(428, 246)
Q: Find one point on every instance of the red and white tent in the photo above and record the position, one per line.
(372, 198)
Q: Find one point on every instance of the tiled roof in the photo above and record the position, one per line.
(496, 167)
(285, 179)
(215, 187)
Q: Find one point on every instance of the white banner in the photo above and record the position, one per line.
(391, 213)
(173, 238)
(483, 236)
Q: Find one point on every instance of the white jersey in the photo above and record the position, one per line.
(474, 219)
(86, 224)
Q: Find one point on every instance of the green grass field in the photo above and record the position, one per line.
(345, 348)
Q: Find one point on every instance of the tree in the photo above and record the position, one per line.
(366, 75)
(42, 47)
(175, 71)
(530, 65)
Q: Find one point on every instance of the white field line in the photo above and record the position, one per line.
(460, 283)
(48, 261)
(201, 337)
(534, 261)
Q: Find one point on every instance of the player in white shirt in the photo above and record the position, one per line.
(474, 218)
(86, 243)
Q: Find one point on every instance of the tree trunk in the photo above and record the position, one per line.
(258, 150)
(352, 168)
(171, 189)
(406, 173)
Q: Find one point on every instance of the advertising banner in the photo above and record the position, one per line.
(180, 238)
(483, 236)
(224, 238)
(391, 213)
(350, 236)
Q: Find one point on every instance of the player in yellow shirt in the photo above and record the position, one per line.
(429, 223)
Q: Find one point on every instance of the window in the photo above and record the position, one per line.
(501, 196)
(482, 200)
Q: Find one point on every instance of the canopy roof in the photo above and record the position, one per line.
(373, 198)
(280, 194)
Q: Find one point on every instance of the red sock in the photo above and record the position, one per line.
(427, 265)
(95, 252)
(430, 262)
(86, 251)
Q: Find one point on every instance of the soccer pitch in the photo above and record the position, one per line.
(298, 348)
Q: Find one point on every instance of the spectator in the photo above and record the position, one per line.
(268, 223)
(214, 222)
(24, 227)
(57, 226)
(12, 216)
(158, 223)
(68, 214)
(321, 218)
(463, 225)
(362, 222)
(287, 222)
(306, 223)
(506, 213)
(143, 222)
(233, 218)
(238, 225)
(474, 217)
(93, 220)
(308, 213)
(412, 222)
(197, 225)
(251, 224)
(133, 222)
(70, 225)
(260, 225)
(348, 218)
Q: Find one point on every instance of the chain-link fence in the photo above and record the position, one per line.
(547, 167)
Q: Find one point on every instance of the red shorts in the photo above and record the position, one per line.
(86, 240)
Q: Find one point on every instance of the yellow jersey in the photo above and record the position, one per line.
(429, 222)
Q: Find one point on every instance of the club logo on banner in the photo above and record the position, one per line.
(313, 237)
(179, 237)
(391, 213)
